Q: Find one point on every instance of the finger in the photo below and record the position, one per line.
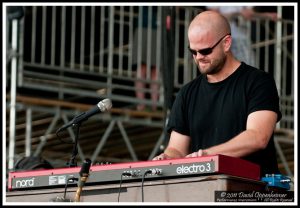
(189, 155)
(200, 152)
(159, 157)
(156, 158)
(194, 154)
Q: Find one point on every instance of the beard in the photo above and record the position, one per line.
(211, 67)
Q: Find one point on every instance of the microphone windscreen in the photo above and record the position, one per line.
(104, 105)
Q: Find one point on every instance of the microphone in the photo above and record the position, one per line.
(84, 173)
(85, 168)
(102, 106)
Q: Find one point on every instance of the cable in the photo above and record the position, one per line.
(64, 199)
(69, 179)
(144, 175)
(123, 174)
(136, 174)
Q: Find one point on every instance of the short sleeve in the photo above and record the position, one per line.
(178, 116)
(263, 95)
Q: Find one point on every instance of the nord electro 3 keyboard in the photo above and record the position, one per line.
(156, 169)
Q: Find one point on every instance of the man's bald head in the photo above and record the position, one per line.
(210, 23)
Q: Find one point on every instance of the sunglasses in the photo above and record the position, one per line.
(206, 51)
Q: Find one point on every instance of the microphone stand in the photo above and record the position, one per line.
(72, 162)
(82, 181)
(84, 174)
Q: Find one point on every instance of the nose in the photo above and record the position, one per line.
(198, 56)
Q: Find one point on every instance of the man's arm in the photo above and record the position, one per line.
(178, 147)
(260, 127)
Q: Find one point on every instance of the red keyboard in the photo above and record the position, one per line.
(156, 169)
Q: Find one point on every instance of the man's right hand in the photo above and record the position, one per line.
(162, 156)
(169, 153)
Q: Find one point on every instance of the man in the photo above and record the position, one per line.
(230, 109)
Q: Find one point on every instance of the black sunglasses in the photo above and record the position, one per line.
(206, 51)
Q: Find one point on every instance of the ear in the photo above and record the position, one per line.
(227, 43)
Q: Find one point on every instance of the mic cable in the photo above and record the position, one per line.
(66, 186)
(64, 199)
(143, 179)
(153, 172)
(123, 174)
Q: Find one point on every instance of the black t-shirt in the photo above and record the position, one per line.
(213, 113)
